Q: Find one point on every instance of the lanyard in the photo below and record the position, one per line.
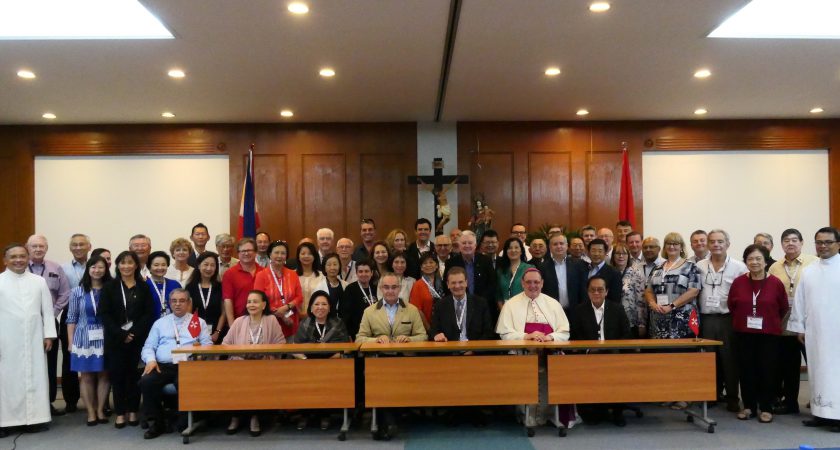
(94, 301)
(177, 335)
(161, 295)
(755, 296)
(255, 340)
(321, 331)
(205, 301)
(125, 304)
(346, 276)
(279, 284)
(792, 278)
(432, 289)
(369, 298)
(671, 267)
(603, 313)
(43, 268)
(460, 319)
(712, 276)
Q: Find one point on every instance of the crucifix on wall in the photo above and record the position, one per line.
(439, 184)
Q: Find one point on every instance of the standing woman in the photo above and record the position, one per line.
(86, 339)
(429, 289)
(381, 257)
(180, 270)
(308, 271)
(206, 291)
(399, 264)
(282, 286)
(159, 285)
(758, 304)
(397, 241)
(125, 309)
(509, 270)
(256, 327)
(671, 291)
(332, 283)
(632, 290)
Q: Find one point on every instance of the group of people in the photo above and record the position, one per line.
(111, 317)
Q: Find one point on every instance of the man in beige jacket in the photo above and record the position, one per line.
(391, 319)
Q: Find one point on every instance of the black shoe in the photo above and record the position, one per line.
(784, 409)
(230, 431)
(108, 411)
(816, 422)
(56, 412)
(619, 421)
(92, 423)
(3, 433)
(834, 429)
(733, 405)
(119, 426)
(133, 423)
(152, 432)
(71, 408)
(35, 428)
(254, 433)
(102, 420)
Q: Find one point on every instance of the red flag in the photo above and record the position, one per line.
(694, 323)
(626, 206)
(195, 326)
(249, 215)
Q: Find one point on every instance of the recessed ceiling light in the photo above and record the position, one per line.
(700, 111)
(89, 19)
(552, 71)
(582, 112)
(599, 6)
(777, 19)
(48, 115)
(816, 110)
(703, 73)
(167, 114)
(298, 8)
(28, 74)
(287, 113)
(327, 72)
(176, 73)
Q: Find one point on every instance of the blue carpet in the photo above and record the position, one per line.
(497, 437)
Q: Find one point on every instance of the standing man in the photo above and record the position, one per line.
(199, 237)
(344, 248)
(443, 248)
(325, 238)
(519, 231)
(717, 274)
(422, 231)
(700, 245)
(239, 280)
(789, 271)
(538, 250)
(765, 240)
(142, 246)
(816, 308)
(606, 235)
(489, 245)
(577, 250)
(75, 269)
(651, 252)
(365, 250)
(622, 229)
(481, 278)
(263, 240)
(587, 233)
(224, 245)
(59, 288)
(455, 237)
(564, 278)
(634, 245)
(599, 267)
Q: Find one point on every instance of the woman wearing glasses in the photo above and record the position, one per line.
(632, 290)
(282, 286)
(671, 291)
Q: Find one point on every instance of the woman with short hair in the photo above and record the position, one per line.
(180, 269)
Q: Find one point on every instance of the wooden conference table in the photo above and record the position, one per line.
(394, 377)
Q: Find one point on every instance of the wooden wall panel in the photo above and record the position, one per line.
(324, 192)
(495, 180)
(372, 179)
(270, 178)
(549, 188)
(603, 177)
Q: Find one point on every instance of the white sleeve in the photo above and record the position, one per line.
(47, 314)
(796, 323)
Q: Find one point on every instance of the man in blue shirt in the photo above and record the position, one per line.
(168, 333)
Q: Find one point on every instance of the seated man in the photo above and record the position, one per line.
(600, 320)
(460, 316)
(179, 329)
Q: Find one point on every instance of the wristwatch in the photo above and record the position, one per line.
(672, 305)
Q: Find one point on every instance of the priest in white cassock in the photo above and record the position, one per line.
(815, 314)
(28, 332)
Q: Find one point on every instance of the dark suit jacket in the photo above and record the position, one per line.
(537, 262)
(479, 324)
(113, 314)
(575, 282)
(613, 278)
(353, 306)
(483, 282)
(584, 327)
(412, 260)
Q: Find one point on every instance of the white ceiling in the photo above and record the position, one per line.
(247, 60)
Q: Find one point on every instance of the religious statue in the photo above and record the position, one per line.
(444, 212)
(482, 217)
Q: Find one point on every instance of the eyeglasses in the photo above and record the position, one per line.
(826, 243)
(248, 250)
(677, 244)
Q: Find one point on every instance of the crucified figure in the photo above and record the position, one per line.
(444, 212)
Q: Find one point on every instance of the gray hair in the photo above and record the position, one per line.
(725, 234)
(765, 236)
(224, 237)
(325, 230)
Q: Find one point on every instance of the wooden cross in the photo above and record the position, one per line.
(438, 181)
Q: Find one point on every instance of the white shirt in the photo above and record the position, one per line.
(599, 319)
(562, 291)
(716, 284)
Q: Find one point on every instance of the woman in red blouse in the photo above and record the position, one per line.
(282, 286)
(758, 303)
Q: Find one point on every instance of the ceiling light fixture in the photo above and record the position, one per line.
(703, 73)
(167, 114)
(287, 113)
(700, 111)
(582, 112)
(49, 116)
(27, 74)
(298, 8)
(553, 71)
(816, 110)
(327, 72)
(599, 7)
(176, 73)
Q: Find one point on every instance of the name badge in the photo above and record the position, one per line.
(754, 322)
(179, 357)
(96, 334)
(662, 299)
(713, 301)
(127, 326)
(210, 326)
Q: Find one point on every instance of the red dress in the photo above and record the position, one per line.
(267, 282)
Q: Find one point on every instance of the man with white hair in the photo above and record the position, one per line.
(344, 248)
(142, 245)
(481, 278)
(59, 287)
(75, 269)
(325, 237)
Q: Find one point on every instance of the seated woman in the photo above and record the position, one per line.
(397, 241)
(320, 326)
(425, 295)
(398, 266)
(159, 285)
(332, 282)
(206, 291)
(258, 327)
(282, 285)
(87, 339)
(180, 270)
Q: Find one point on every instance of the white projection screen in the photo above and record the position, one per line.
(111, 198)
(742, 192)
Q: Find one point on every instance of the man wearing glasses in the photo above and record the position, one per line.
(816, 308)
(519, 231)
(717, 274)
(239, 280)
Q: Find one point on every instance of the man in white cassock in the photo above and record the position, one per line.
(27, 332)
(816, 309)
